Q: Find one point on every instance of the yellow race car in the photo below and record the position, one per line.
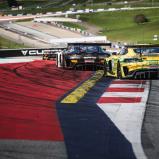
(137, 61)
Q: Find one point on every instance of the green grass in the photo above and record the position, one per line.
(117, 26)
(120, 26)
(7, 44)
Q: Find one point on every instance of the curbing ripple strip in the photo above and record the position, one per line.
(79, 92)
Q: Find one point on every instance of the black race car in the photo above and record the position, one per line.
(83, 55)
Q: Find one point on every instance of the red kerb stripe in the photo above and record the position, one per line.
(119, 100)
(114, 89)
(28, 99)
(129, 82)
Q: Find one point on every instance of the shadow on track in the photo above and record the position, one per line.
(150, 128)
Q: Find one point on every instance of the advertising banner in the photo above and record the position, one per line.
(28, 52)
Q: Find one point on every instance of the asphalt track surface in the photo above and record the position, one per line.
(150, 129)
(35, 33)
(34, 123)
(50, 29)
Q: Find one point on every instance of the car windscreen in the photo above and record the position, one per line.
(147, 51)
(73, 49)
(92, 49)
(85, 49)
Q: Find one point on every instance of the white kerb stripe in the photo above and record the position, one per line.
(122, 94)
(126, 86)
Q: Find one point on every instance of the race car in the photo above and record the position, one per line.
(82, 55)
(133, 61)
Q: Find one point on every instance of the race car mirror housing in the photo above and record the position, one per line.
(114, 53)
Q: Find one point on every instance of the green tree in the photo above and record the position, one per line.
(140, 18)
(0, 45)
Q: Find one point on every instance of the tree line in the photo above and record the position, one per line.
(12, 3)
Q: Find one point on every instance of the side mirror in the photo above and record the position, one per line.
(114, 53)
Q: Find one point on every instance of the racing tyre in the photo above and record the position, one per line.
(64, 62)
(57, 61)
(119, 74)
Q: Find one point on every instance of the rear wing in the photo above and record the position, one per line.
(144, 49)
(142, 46)
(90, 44)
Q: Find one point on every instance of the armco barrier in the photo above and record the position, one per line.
(27, 52)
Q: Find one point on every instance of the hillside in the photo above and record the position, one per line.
(117, 26)
(120, 26)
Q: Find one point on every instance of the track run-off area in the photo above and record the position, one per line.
(52, 113)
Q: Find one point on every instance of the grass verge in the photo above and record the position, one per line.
(7, 44)
(120, 26)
